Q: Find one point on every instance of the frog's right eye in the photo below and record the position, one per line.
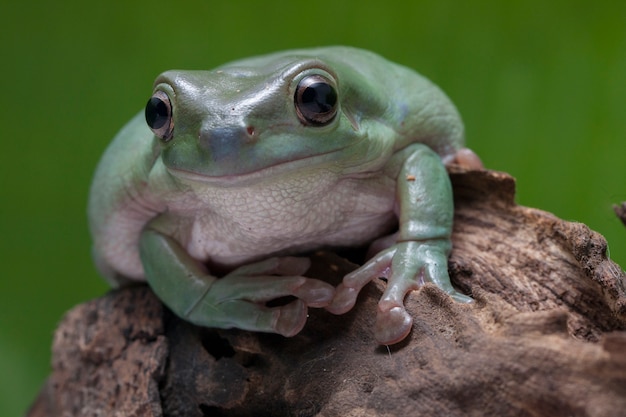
(159, 115)
(316, 100)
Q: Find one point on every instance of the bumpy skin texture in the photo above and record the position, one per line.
(237, 181)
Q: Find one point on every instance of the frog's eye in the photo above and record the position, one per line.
(316, 100)
(159, 115)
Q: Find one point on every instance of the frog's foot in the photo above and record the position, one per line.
(406, 266)
(393, 322)
(466, 158)
(239, 299)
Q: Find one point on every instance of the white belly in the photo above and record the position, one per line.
(240, 224)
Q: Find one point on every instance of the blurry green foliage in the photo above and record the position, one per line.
(541, 85)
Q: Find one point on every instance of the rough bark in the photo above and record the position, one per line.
(544, 338)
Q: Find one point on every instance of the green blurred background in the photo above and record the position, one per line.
(541, 85)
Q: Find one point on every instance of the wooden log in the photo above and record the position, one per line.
(545, 337)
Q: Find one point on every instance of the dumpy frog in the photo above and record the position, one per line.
(218, 190)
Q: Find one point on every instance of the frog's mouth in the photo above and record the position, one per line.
(310, 165)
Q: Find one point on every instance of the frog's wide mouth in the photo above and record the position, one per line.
(321, 161)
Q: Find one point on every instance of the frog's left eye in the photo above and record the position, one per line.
(159, 115)
(316, 100)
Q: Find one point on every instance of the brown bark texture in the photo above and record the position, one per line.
(544, 337)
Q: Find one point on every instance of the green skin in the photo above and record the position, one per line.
(241, 181)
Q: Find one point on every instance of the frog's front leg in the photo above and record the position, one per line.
(421, 249)
(237, 299)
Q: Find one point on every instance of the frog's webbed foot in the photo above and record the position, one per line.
(239, 298)
(407, 266)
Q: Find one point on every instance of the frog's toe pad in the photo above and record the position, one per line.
(392, 325)
(290, 319)
(344, 300)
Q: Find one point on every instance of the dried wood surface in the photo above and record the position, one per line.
(545, 337)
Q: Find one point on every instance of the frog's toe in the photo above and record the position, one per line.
(466, 158)
(286, 320)
(289, 319)
(392, 325)
(315, 293)
(344, 299)
(284, 266)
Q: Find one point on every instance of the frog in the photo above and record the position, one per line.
(219, 190)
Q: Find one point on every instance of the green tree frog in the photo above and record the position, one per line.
(218, 190)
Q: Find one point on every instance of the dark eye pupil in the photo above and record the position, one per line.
(316, 100)
(319, 98)
(157, 113)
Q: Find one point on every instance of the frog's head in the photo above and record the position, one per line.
(341, 108)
